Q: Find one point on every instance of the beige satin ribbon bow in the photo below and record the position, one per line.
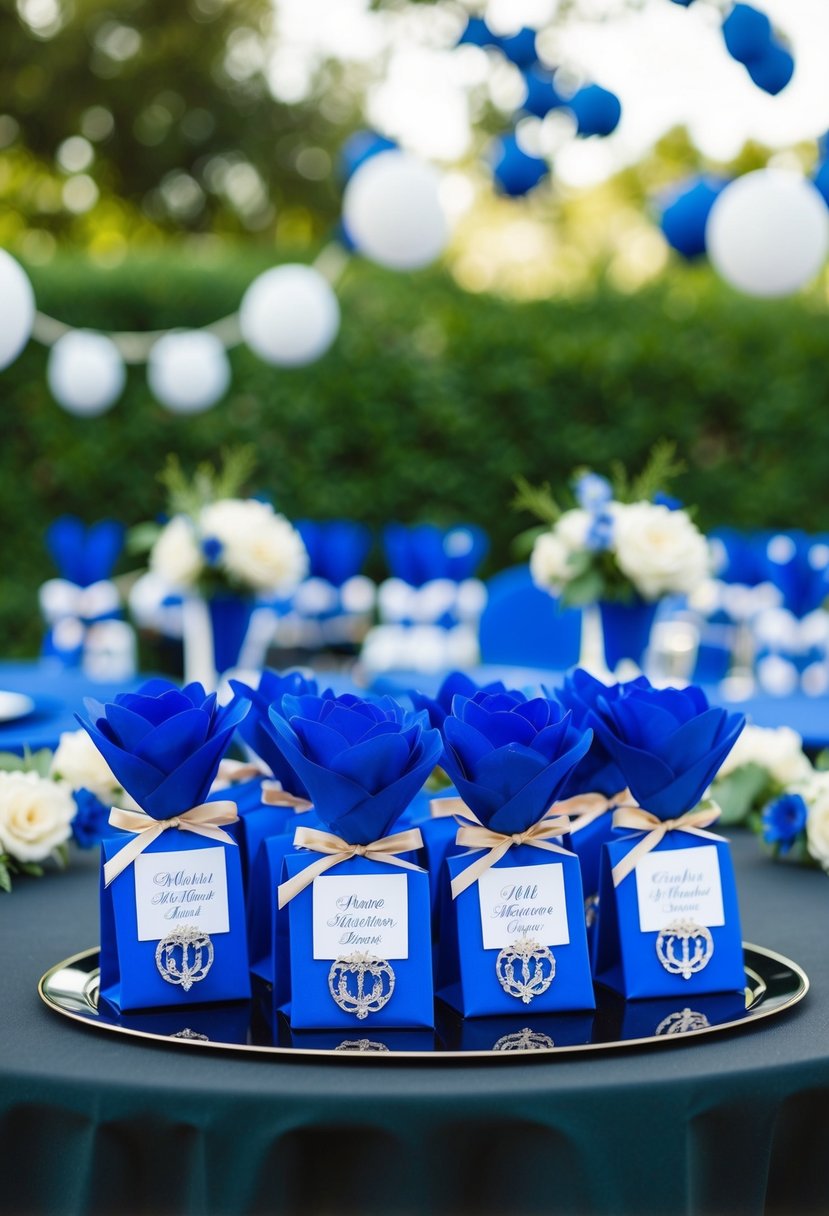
(232, 772)
(442, 808)
(643, 821)
(476, 836)
(274, 795)
(204, 820)
(584, 809)
(338, 850)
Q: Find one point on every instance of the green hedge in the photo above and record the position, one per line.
(429, 404)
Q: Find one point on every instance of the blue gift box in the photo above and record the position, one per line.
(302, 982)
(626, 958)
(130, 978)
(467, 978)
(265, 877)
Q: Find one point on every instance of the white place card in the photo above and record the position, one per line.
(361, 914)
(173, 889)
(679, 884)
(523, 901)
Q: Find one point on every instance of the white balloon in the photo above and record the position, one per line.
(86, 373)
(768, 232)
(392, 211)
(17, 309)
(188, 371)
(289, 315)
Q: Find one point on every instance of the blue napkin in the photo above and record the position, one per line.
(337, 548)
(84, 555)
(668, 743)
(361, 761)
(419, 554)
(510, 757)
(163, 744)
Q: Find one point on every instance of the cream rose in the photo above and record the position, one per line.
(80, 765)
(550, 562)
(260, 548)
(816, 796)
(779, 750)
(661, 551)
(175, 556)
(35, 815)
(572, 528)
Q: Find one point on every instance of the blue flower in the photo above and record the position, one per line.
(162, 743)
(91, 822)
(255, 729)
(212, 548)
(580, 693)
(455, 684)
(669, 743)
(600, 533)
(592, 491)
(784, 820)
(510, 757)
(361, 761)
(667, 500)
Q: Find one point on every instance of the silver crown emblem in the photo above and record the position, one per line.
(684, 948)
(184, 957)
(683, 1021)
(361, 984)
(523, 1040)
(525, 970)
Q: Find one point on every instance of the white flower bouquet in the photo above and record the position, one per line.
(622, 542)
(763, 764)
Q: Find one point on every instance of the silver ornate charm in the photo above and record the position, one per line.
(184, 957)
(683, 1021)
(591, 910)
(525, 970)
(361, 1045)
(684, 948)
(192, 1035)
(347, 983)
(523, 1040)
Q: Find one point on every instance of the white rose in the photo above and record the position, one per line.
(661, 551)
(78, 762)
(572, 528)
(549, 562)
(817, 824)
(259, 548)
(778, 750)
(175, 556)
(35, 815)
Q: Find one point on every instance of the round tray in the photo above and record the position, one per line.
(773, 984)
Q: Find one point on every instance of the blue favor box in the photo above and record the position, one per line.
(130, 977)
(302, 991)
(626, 957)
(265, 877)
(467, 978)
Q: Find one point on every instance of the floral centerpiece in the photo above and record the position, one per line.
(764, 763)
(218, 551)
(48, 800)
(622, 545)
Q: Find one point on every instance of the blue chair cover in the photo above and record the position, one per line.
(522, 626)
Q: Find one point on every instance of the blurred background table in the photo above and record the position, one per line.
(95, 1123)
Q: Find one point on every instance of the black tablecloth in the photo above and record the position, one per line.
(95, 1123)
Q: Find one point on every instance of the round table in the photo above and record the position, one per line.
(58, 693)
(96, 1123)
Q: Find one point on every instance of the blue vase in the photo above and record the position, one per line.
(626, 629)
(229, 618)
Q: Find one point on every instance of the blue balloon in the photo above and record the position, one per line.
(747, 33)
(359, 148)
(542, 95)
(773, 71)
(685, 213)
(477, 33)
(821, 179)
(516, 172)
(520, 47)
(597, 110)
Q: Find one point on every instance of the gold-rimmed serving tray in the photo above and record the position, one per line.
(774, 984)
